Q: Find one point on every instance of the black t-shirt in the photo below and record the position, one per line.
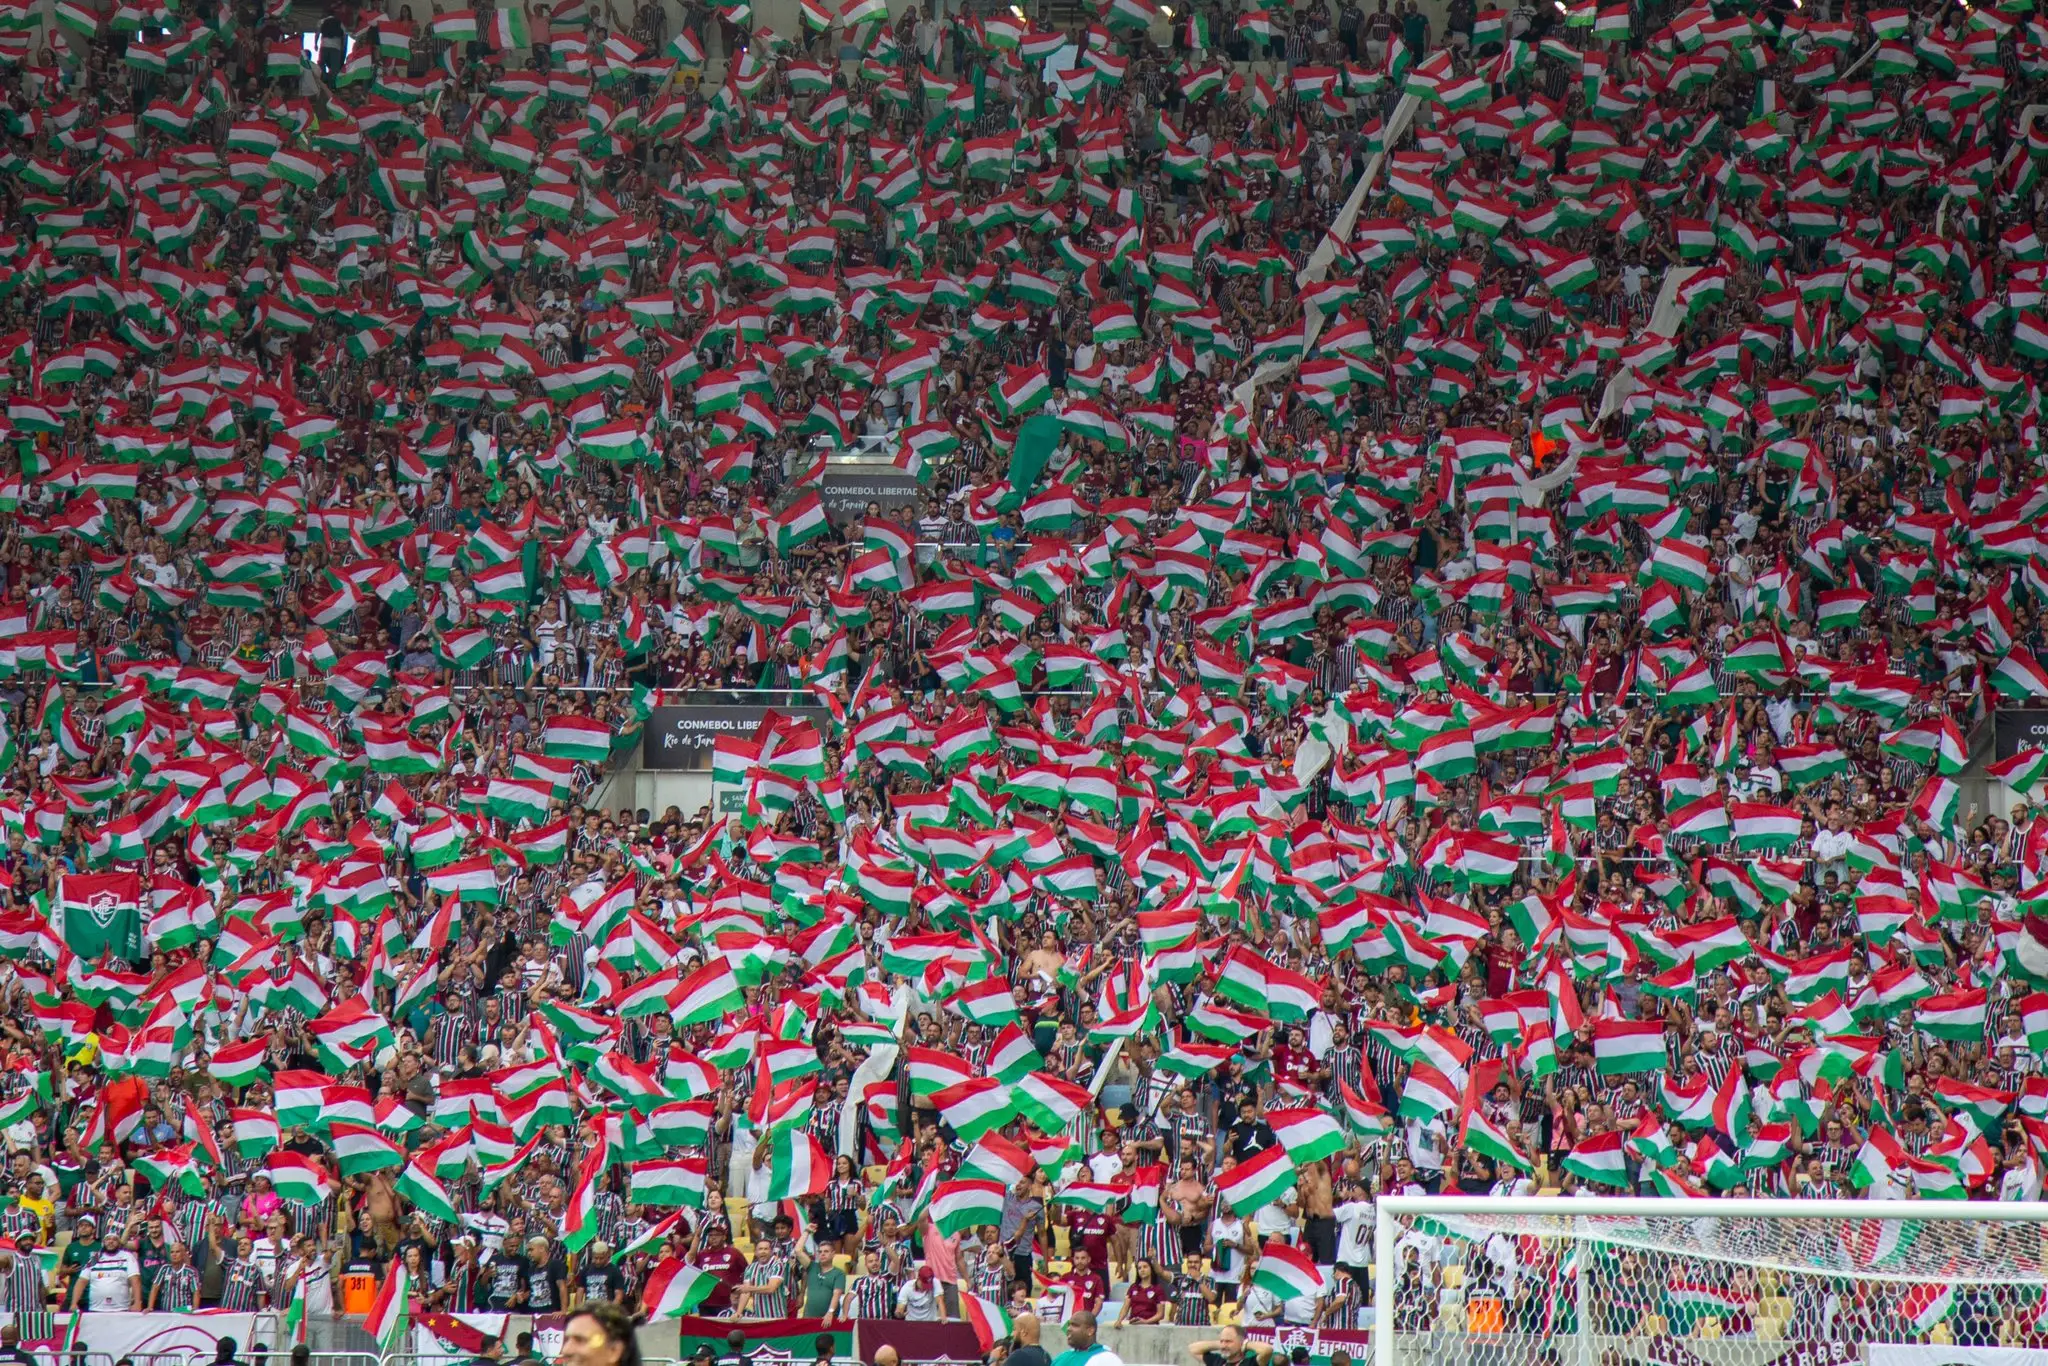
(1248, 1140)
(1213, 1357)
(152, 1257)
(507, 1277)
(600, 1282)
(541, 1282)
(1032, 1355)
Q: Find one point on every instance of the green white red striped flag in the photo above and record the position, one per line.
(1287, 1273)
(797, 1167)
(1256, 1182)
(674, 1288)
(388, 1320)
(990, 1321)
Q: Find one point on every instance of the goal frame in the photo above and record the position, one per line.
(1390, 1208)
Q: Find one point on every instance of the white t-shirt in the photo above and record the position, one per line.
(1260, 1305)
(918, 1306)
(267, 1252)
(1273, 1220)
(1354, 1233)
(1427, 1140)
(1229, 1230)
(107, 1283)
(318, 1284)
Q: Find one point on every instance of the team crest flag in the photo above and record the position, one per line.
(100, 914)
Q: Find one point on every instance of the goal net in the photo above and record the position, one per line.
(1532, 1281)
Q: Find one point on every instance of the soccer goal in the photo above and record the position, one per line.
(1614, 1281)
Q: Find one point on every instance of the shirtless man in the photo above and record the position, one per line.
(1319, 1208)
(1188, 1206)
(1045, 961)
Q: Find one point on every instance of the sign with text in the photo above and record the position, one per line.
(683, 737)
(2015, 729)
(847, 489)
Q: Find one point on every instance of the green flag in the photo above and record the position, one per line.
(1035, 442)
(101, 913)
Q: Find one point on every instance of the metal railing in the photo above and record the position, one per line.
(201, 1357)
(435, 1359)
(265, 1343)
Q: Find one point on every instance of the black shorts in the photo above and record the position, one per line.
(1319, 1232)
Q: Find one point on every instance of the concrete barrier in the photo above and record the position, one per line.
(1150, 1344)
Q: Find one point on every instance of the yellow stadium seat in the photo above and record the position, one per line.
(1653, 1325)
(1770, 1329)
(1454, 1277)
(1707, 1328)
(1940, 1334)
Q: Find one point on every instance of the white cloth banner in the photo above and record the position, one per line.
(1936, 1354)
(192, 1336)
(430, 1346)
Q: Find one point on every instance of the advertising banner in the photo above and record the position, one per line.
(2014, 729)
(846, 489)
(681, 738)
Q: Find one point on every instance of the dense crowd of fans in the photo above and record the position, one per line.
(1454, 581)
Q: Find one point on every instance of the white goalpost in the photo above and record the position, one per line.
(1617, 1281)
